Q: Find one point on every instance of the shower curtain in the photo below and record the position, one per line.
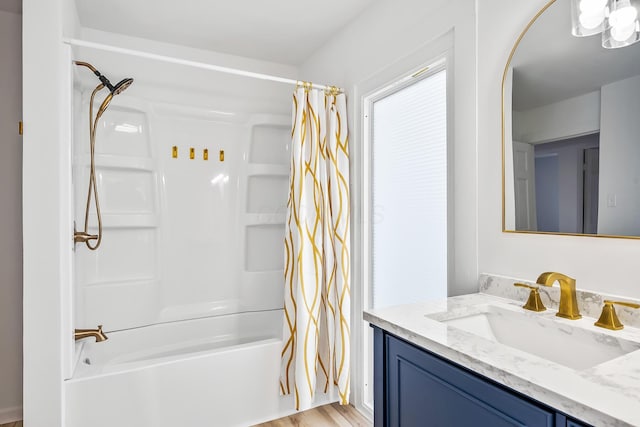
(317, 263)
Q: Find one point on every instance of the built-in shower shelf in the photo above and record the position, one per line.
(264, 218)
(270, 143)
(117, 162)
(262, 247)
(267, 169)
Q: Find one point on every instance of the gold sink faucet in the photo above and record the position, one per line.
(568, 302)
(86, 333)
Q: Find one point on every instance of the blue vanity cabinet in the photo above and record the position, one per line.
(413, 387)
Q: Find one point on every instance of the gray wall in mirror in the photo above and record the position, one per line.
(571, 137)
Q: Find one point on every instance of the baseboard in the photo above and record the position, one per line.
(10, 415)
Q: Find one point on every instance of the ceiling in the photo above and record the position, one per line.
(283, 31)
(551, 65)
(13, 6)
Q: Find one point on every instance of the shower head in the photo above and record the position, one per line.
(121, 86)
(104, 82)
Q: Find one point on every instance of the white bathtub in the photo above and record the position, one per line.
(218, 371)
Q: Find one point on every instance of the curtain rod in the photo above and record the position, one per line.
(196, 64)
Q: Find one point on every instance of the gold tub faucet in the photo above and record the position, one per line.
(86, 333)
(568, 301)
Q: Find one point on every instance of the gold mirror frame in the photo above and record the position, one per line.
(504, 77)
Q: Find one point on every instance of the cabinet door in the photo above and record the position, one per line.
(424, 390)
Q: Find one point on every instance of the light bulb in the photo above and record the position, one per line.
(623, 16)
(621, 33)
(592, 6)
(591, 20)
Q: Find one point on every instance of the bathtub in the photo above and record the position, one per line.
(217, 371)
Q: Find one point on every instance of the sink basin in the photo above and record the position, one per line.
(573, 347)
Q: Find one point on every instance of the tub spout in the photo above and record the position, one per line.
(86, 333)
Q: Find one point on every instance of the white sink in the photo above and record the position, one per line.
(573, 347)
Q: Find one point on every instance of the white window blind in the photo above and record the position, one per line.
(409, 193)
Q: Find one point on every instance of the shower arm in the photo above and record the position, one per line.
(105, 81)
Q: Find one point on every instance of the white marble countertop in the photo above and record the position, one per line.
(607, 394)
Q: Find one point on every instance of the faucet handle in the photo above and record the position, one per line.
(609, 319)
(534, 303)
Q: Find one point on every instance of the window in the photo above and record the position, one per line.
(405, 242)
(408, 192)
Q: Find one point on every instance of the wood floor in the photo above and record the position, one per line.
(333, 415)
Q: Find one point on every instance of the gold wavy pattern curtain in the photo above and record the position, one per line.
(316, 353)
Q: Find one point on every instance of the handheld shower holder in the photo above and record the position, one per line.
(84, 236)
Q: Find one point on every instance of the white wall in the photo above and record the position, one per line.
(599, 264)
(47, 225)
(382, 38)
(11, 224)
(619, 156)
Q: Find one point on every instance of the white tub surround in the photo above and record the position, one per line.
(192, 173)
(604, 394)
(188, 233)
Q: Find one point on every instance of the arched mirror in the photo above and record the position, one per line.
(571, 132)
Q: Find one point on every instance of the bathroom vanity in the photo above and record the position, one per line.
(415, 387)
(482, 360)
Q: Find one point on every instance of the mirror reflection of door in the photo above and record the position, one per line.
(524, 186)
(566, 175)
(591, 178)
(548, 194)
